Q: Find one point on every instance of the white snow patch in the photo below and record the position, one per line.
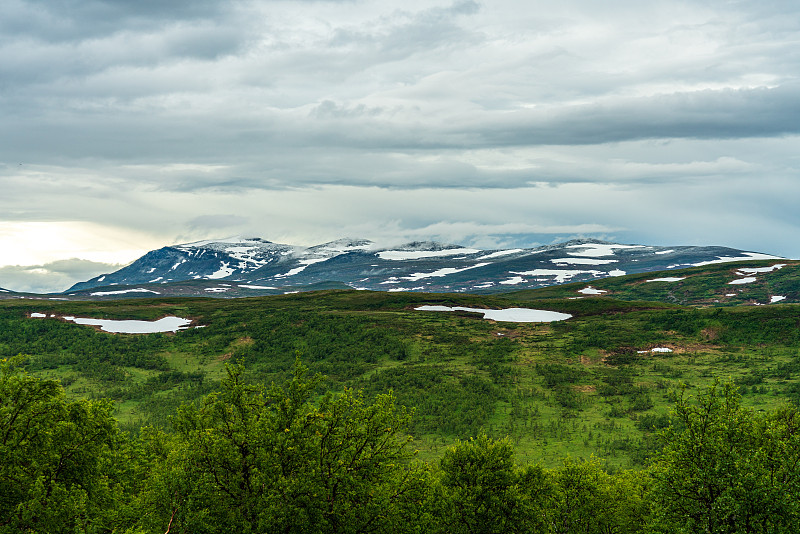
(101, 278)
(152, 270)
(561, 275)
(441, 272)
(123, 291)
(589, 290)
(597, 250)
(665, 251)
(165, 324)
(513, 281)
(178, 264)
(667, 279)
(154, 280)
(746, 280)
(216, 289)
(224, 270)
(754, 270)
(247, 286)
(511, 315)
(776, 298)
(730, 294)
(748, 256)
(38, 315)
(398, 255)
(583, 261)
(617, 272)
(296, 270)
(657, 349)
(501, 253)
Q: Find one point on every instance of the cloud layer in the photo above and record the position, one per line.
(497, 122)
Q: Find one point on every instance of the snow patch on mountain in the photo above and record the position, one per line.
(399, 255)
(501, 253)
(442, 272)
(589, 290)
(123, 291)
(754, 270)
(561, 275)
(304, 263)
(747, 256)
(667, 279)
(223, 271)
(747, 280)
(596, 250)
(583, 261)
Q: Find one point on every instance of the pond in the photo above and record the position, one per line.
(130, 326)
(511, 315)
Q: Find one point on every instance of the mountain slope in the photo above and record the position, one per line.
(254, 264)
(737, 283)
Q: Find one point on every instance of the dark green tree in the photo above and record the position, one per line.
(58, 468)
(726, 469)
(482, 491)
(258, 459)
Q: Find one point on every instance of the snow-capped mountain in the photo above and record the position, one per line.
(255, 265)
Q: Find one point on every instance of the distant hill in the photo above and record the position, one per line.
(254, 266)
(737, 283)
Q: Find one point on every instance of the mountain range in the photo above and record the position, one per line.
(242, 266)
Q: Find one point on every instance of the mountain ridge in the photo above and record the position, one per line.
(261, 265)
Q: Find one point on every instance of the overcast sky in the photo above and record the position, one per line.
(129, 125)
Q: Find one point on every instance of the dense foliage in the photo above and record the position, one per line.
(252, 458)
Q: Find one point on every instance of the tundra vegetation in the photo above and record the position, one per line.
(394, 420)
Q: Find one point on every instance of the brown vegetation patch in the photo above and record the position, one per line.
(710, 333)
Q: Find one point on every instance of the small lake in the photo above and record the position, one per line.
(165, 324)
(511, 315)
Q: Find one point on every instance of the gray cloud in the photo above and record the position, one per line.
(53, 277)
(291, 119)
